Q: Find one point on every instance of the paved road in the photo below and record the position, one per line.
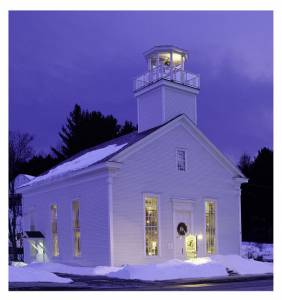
(100, 283)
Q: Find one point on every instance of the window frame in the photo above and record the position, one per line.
(73, 228)
(157, 196)
(216, 226)
(185, 157)
(51, 219)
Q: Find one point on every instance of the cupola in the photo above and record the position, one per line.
(165, 90)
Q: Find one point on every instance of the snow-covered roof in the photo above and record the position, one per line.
(80, 162)
(21, 179)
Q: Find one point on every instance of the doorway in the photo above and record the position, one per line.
(182, 227)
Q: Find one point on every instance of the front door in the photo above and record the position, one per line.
(182, 227)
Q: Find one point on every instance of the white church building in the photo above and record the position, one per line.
(162, 192)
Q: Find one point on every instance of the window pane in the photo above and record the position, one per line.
(76, 242)
(177, 59)
(151, 226)
(33, 248)
(54, 229)
(76, 228)
(210, 226)
(181, 160)
(75, 208)
(154, 61)
(164, 59)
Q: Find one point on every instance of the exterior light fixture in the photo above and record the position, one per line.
(200, 237)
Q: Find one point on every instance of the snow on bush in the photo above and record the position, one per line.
(243, 266)
(27, 274)
(258, 251)
(172, 269)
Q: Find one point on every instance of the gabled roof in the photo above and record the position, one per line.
(115, 148)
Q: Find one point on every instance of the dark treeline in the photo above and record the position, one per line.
(83, 129)
(257, 197)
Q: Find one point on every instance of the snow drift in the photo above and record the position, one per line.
(243, 266)
(202, 267)
(172, 269)
(76, 270)
(26, 274)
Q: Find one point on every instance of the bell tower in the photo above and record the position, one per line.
(165, 90)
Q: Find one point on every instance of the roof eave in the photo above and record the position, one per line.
(108, 166)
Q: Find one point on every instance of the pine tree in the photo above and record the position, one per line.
(128, 127)
(257, 197)
(85, 129)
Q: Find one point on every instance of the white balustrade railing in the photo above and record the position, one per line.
(169, 73)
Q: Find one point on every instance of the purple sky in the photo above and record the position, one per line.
(58, 59)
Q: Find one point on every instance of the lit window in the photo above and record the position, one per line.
(76, 228)
(151, 225)
(210, 227)
(181, 160)
(177, 59)
(33, 248)
(164, 59)
(54, 229)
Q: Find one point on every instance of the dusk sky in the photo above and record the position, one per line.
(58, 59)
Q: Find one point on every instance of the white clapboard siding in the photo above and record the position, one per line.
(93, 200)
(152, 169)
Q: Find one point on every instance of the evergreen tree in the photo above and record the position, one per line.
(257, 197)
(39, 164)
(85, 129)
(245, 165)
(128, 127)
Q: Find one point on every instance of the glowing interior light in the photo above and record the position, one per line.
(176, 58)
(200, 236)
(164, 58)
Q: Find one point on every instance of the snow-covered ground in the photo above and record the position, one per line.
(26, 274)
(214, 266)
(258, 251)
(172, 269)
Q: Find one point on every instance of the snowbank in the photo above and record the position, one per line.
(201, 267)
(27, 274)
(243, 266)
(78, 163)
(18, 264)
(76, 270)
(172, 269)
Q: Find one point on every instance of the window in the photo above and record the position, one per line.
(76, 227)
(177, 59)
(210, 226)
(33, 248)
(54, 229)
(164, 58)
(154, 61)
(181, 159)
(151, 225)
